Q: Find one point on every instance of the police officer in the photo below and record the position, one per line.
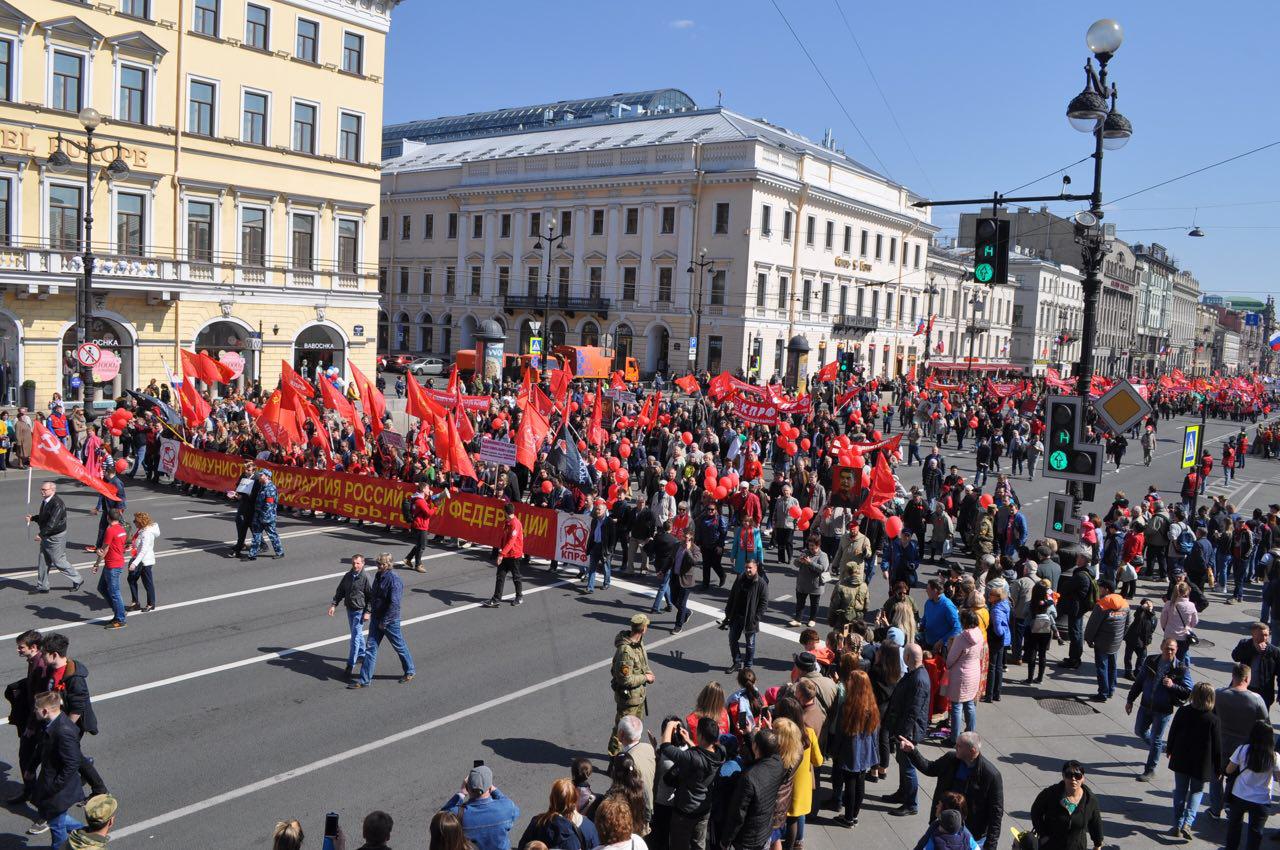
(264, 517)
(630, 675)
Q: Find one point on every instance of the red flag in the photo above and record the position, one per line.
(335, 400)
(596, 433)
(882, 485)
(911, 373)
(295, 382)
(269, 421)
(466, 430)
(560, 379)
(459, 460)
(616, 382)
(419, 404)
(541, 402)
(688, 383)
(828, 372)
(526, 385)
(372, 401)
(842, 400)
(530, 436)
(48, 452)
(216, 367)
(720, 386)
(200, 368)
(195, 410)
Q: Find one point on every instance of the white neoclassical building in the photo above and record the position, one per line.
(796, 238)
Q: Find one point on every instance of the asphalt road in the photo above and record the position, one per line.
(224, 711)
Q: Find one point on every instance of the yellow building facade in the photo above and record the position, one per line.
(245, 225)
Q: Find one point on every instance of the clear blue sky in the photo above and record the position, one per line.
(980, 96)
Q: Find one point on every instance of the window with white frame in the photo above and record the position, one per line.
(302, 240)
(131, 210)
(200, 231)
(253, 236)
(6, 69)
(349, 132)
(664, 284)
(134, 82)
(762, 288)
(629, 283)
(353, 52)
(253, 124)
(136, 8)
(348, 245)
(766, 216)
(205, 20)
(306, 45)
(6, 210)
(64, 216)
(304, 127)
(257, 27)
(717, 287)
(67, 81)
(202, 105)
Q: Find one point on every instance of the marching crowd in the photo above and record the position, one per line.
(685, 488)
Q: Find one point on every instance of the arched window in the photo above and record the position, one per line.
(402, 333)
(558, 333)
(384, 333)
(426, 333)
(590, 333)
(622, 346)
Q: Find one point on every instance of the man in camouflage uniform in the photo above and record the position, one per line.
(630, 675)
(264, 517)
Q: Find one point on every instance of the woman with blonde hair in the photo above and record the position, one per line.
(287, 836)
(561, 825)
(710, 703)
(144, 559)
(798, 750)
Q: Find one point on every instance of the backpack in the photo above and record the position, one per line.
(1186, 542)
(406, 509)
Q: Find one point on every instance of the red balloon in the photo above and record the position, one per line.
(495, 423)
(795, 512)
(722, 493)
(946, 405)
(582, 445)
(547, 487)
(122, 465)
(671, 488)
(807, 513)
(846, 459)
(986, 500)
(803, 525)
(935, 415)
(116, 432)
(251, 408)
(734, 481)
(623, 475)
(782, 440)
(601, 465)
(876, 436)
(686, 438)
(804, 444)
(973, 423)
(614, 464)
(626, 441)
(893, 526)
(725, 481)
(790, 448)
(855, 457)
(711, 471)
(573, 407)
(625, 450)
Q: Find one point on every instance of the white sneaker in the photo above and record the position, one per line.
(812, 624)
(38, 828)
(795, 624)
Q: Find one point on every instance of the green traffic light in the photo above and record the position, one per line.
(1057, 526)
(983, 272)
(1058, 460)
(1064, 437)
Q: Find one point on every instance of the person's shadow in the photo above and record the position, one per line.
(319, 667)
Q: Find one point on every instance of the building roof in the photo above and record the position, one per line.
(499, 121)
(716, 124)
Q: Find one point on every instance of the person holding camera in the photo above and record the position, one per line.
(486, 814)
(695, 767)
(1164, 683)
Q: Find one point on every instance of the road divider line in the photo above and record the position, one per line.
(709, 610)
(198, 516)
(380, 743)
(173, 606)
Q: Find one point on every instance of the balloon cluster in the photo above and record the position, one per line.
(117, 420)
(332, 375)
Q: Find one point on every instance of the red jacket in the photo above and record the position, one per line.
(423, 511)
(513, 539)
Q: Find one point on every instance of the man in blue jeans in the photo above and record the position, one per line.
(907, 716)
(487, 814)
(57, 787)
(1164, 683)
(383, 617)
(748, 600)
(355, 593)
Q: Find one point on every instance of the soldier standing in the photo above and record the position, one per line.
(264, 518)
(630, 675)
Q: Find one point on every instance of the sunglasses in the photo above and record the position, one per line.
(1073, 775)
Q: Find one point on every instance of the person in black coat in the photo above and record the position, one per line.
(687, 560)
(907, 717)
(1263, 657)
(981, 784)
(1075, 592)
(748, 600)
(748, 817)
(51, 522)
(1060, 829)
(662, 552)
(600, 541)
(57, 788)
(1194, 748)
(245, 503)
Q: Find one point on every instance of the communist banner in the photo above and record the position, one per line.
(478, 519)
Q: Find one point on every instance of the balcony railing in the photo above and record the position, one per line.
(977, 326)
(562, 303)
(854, 324)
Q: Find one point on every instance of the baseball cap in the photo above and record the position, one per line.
(480, 779)
(806, 660)
(99, 809)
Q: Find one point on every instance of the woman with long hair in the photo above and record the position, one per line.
(886, 670)
(857, 746)
(793, 751)
(1256, 768)
(146, 531)
(628, 786)
(1195, 751)
(746, 706)
(446, 833)
(710, 703)
(561, 825)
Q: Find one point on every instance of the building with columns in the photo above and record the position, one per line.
(1048, 314)
(1156, 271)
(1182, 321)
(799, 239)
(243, 224)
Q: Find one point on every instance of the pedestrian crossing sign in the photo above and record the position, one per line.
(1190, 446)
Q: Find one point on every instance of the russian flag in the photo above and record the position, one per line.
(1274, 342)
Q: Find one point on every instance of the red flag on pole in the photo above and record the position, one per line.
(48, 452)
(335, 400)
(294, 381)
(828, 372)
(201, 368)
(372, 401)
(688, 383)
(195, 410)
(216, 367)
(596, 433)
(459, 460)
(530, 436)
(419, 404)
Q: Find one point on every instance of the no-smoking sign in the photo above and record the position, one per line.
(88, 354)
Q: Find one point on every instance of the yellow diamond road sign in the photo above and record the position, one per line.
(1121, 407)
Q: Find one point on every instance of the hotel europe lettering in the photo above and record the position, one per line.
(245, 221)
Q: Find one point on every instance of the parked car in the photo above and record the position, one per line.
(397, 363)
(427, 366)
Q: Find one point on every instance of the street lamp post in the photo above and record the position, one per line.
(60, 163)
(547, 242)
(932, 290)
(975, 304)
(1089, 112)
(697, 268)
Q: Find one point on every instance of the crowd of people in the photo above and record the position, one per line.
(681, 487)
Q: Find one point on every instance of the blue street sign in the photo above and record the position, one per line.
(1190, 446)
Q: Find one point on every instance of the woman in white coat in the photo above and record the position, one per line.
(143, 559)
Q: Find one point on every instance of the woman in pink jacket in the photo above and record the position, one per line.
(964, 673)
(1179, 618)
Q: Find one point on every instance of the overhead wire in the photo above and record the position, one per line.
(1201, 170)
(1047, 176)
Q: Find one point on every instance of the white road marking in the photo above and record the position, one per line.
(373, 746)
(61, 627)
(1242, 502)
(285, 653)
(198, 516)
(712, 610)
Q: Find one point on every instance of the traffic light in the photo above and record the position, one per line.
(848, 360)
(991, 250)
(1067, 456)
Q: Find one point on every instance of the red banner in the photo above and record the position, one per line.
(802, 405)
(470, 403)
(478, 519)
(756, 412)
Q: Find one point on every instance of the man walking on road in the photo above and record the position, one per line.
(264, 517)
(57, 787)
(510, 559)
(907, 716)
(246, 505)
(111, 557)
(355, 593)
(630, 676)
(383, 617)
(1163, 683)
(52, 522)
(748, 600)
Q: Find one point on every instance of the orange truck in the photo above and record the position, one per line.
(594, 362)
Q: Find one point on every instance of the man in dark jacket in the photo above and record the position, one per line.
(52, 537)
(355, 593)
(683, 576)
(57, 787)
(710, 531)
(600, 542)
(748, 600)
(1163, 683)
(383, 617)
(1263, 658)
(662, 551)
(247, 490)
(1076, 594)
(966, 771)
(70, 680)
(748, 823)
(697, 766)
(907, 717)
